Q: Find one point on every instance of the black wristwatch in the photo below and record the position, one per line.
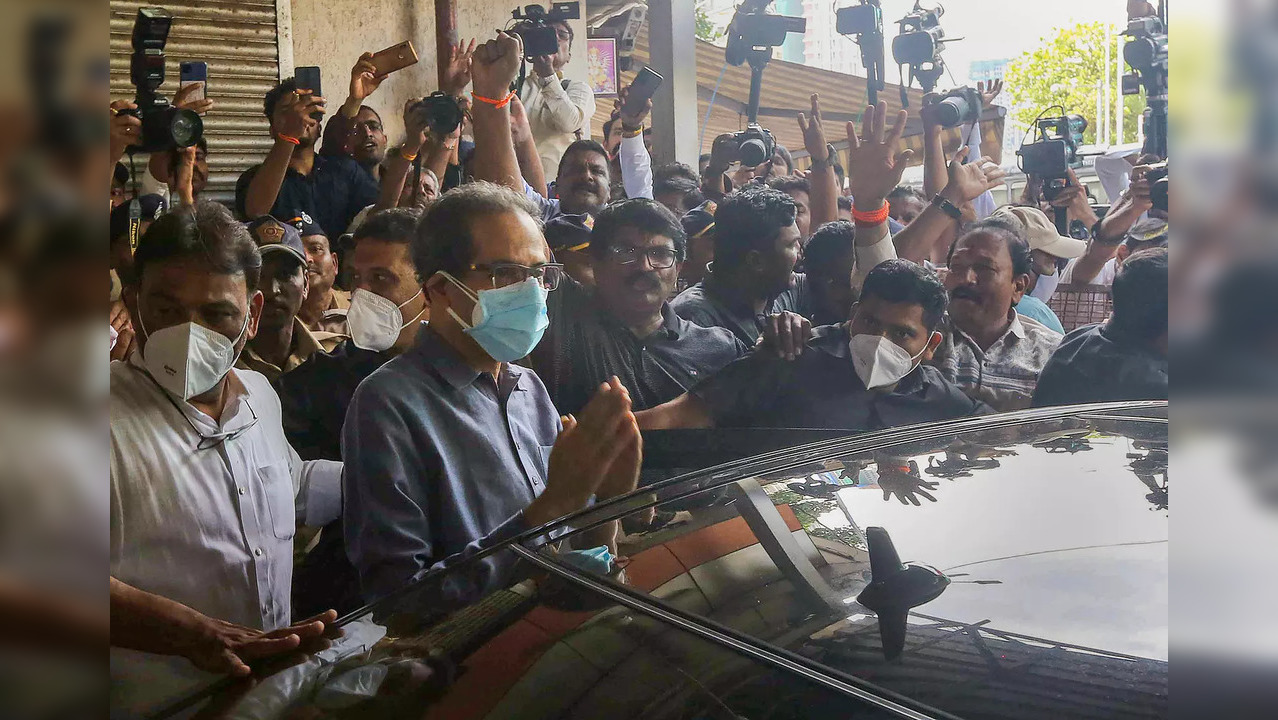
(947, 207)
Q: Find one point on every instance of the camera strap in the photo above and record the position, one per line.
(135, 207)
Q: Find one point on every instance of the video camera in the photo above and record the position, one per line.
(956, 107)
(534, 26)
(443, 114)
(1055, 151)
(865, 22)
(752, 34)
(1146, 54)
(754, 29)
(1158, 187)
(164, 127)
(919, 45)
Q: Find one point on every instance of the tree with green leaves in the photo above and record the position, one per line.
(1069, 70)
(706, 29)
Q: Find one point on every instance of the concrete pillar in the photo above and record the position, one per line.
(672, 46)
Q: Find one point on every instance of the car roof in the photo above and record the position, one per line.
(748, 572)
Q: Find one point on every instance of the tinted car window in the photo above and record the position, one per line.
(1053, 535)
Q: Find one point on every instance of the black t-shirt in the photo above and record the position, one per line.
(585, 345)
(314, 397)
(820, 389)
(334, 192)
(702, 305)
(1099, 363)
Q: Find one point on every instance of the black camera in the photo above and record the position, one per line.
(752, 28)
(164, 127)
(1055, 150)
(1157, 177)
(1146, 53)
(443, 114)
(534, 27)
(861, 19)
(755, 145)
(919, 45)
(956, 107)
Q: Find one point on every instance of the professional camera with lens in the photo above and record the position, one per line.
(533, 26)
(1054, 152)
(956, 107)
(1158, 187)
(164, 127)
(755, 145)
(860, 19)
(1146, 53)
(443, 114)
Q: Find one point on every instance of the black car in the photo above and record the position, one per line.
(773, 587)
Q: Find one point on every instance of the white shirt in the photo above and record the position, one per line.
(1104, 277)
(869, 256)
(555, 114)
(204, 513)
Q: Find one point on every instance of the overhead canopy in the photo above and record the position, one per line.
(787, 88)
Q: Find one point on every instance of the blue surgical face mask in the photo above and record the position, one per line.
(507, 322)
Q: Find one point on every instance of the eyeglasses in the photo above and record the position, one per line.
(659, 258)
(504, 274)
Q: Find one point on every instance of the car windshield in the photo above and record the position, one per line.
(1051, 536)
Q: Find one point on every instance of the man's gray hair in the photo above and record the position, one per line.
(443, 240)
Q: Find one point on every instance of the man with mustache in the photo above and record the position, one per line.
(283, 341)
(625, 328)
(991, 352)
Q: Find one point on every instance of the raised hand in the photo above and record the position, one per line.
(496, 64)
(631, 120)
(126, 129)
(814, 132)
(874, 165)
(989, 90)
(457, 68)
(364, 80)
(416, 124)
(184, 176)
(520, 130)
(968, 182)
(544, 65)
(294, 113)
(183, 99)
(585, 453)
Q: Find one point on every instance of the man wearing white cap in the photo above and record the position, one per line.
(1047, 249)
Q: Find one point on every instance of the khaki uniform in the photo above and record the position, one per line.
(305, 344)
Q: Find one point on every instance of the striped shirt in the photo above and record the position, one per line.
(203, 512)
(1004, 375)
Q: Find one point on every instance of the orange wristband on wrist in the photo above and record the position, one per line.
(289, 139)
(499, 104)
(878, 217)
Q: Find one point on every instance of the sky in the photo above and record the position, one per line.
(998, 28)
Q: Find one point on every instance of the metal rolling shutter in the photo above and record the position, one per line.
(238, 40)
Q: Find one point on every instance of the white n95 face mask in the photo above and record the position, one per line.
(188, 359)
(375, 322)
(879, 361)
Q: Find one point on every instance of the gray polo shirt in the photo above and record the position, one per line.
(441, 460)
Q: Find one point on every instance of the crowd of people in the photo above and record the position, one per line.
(428, 348)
